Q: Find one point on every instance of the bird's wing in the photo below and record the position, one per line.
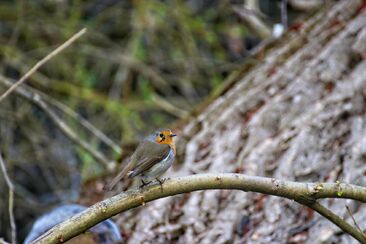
(147, 155)
(130, 166)
(118, 178)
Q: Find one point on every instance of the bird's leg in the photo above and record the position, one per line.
(161, 181)
(144, 183)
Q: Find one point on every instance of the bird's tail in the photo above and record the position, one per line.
(118, 178)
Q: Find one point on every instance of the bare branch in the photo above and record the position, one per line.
(304, 193)
(168, 107)
(354, 221)
(341, 223)
(42, 62)
(248, 13)
(11, 201)
(36, 98)
(70, 133)
(83, 122)
(306, 5)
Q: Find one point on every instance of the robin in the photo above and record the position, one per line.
(153, 156)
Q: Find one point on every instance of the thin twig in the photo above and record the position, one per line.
(12, 217)
(253, 20)
(37, 99)
(354, 221)
(41, 62)
(168, 107)
(304, 193)
(11, 201)
(145, 70)
(335, 219)
(78, 118)
(32, 93)
(308, 5)
(70, 133)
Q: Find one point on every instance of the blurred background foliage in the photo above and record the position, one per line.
(141, 60)
(141, 65)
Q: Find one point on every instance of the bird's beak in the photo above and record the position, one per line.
(173, 135)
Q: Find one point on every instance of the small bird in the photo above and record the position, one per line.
(153, 156)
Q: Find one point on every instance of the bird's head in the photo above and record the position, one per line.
(164, 136)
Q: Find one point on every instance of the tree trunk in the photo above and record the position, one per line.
(298, 114)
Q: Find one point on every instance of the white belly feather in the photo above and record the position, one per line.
(160, 168)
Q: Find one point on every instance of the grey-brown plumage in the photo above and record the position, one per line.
(147, 155)
(150, 160)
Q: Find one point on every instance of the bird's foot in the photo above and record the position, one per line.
(143, 183)
(161, 181)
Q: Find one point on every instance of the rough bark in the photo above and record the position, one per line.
(298, 115)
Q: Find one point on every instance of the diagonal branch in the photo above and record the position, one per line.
(11, 201)
(71, 134)
(354, 221)
(304, 193)
(42, 62)
(341, 223)
(37, 99)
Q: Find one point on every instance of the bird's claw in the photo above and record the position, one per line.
(161, 181)
(143, 183)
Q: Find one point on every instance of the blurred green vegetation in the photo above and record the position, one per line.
(141, 65)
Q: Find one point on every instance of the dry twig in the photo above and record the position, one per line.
(11, 201)
(71, 133)
(253, 20)
(42, 62)
(354, 221)
(36, 98)
(169, 107)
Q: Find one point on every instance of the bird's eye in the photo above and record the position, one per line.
(161, 135)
